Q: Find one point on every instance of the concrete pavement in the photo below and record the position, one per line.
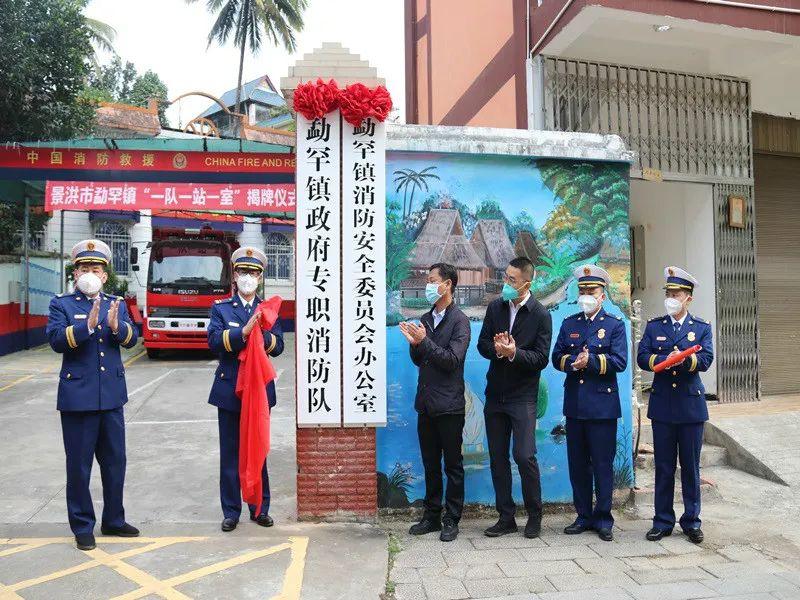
(171, 494)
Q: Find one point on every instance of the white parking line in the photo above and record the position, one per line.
(153, 382)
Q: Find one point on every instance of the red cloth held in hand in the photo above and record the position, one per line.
(674, 360)
(255, 372)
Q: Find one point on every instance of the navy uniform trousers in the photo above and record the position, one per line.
(677, 410)
(91, 395)
(225, 339)
(230, 491)
(592, 408)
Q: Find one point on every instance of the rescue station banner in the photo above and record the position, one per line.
(341, 255)
(134, 196)
(30, 157)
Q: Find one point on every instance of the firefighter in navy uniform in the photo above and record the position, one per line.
(88, 327)
(677, 406)
(591, 349)
(232, 320)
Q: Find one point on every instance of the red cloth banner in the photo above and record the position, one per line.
(255, 372)
(674, 360)
(27, 157)
(109, 195)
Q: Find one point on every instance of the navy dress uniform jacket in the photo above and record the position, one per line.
(678, 395)
(592, 393)
(225, 339)
(92, 375)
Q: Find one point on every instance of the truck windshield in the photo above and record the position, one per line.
(190, 265)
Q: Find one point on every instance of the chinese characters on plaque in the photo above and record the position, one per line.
(364, 273)
(341, 253)
(318, 279)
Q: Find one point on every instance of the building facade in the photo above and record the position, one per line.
(705, 93)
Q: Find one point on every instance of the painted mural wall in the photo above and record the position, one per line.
(478, 212)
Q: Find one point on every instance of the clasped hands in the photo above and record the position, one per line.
(413, 332)
(505, 346)
(112, 317)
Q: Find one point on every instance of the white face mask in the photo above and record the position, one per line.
(89, 284)
(673, 306)
(588, 304)
(247, 284)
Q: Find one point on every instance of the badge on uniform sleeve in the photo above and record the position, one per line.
(233, 324)
(601, 333)
(690, 336)
(78, 316)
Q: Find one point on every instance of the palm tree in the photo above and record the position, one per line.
(249, 21)
(405, 178)
(102, 36)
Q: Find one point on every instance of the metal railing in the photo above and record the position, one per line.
(676, 122)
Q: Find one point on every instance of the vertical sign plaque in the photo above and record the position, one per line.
(318, 280)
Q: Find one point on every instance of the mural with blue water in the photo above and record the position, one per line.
(477, 212)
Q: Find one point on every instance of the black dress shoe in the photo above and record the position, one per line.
(425, 526)
(605, 534)
(263, 520)
(533, 528)
(576, 528)
(229, 524)
(656, 534)
(449, 530)
(501, 528)
(695, 535)
(85, 542)
(125, 531)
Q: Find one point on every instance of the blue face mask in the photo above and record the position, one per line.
(432, 293)
(509, 292)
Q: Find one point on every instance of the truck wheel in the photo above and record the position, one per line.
(153, 353)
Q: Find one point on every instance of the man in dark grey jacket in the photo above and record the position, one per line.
(516, 339)
(438, 346)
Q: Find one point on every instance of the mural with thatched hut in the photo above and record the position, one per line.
(478, 212)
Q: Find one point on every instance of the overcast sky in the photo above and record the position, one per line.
(170, 37)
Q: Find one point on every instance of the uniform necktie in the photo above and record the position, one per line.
(677, 326)
(247, 308)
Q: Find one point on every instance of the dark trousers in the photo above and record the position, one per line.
(440, 437)
(673, 442)
(503, 421)
(88, 435)
(591, 446)
(230, 492)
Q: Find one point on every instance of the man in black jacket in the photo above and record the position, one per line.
(438, 347)
(516, 339)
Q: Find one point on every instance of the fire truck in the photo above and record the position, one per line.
(188, 269)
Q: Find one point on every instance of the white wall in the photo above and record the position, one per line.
(678, 220)
(76, 228)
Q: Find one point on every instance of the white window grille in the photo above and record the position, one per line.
(116, 235)
(280, 257)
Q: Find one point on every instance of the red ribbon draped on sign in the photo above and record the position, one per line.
(255, 372)
(674, 360)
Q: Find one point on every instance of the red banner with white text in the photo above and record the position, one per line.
(105, 195)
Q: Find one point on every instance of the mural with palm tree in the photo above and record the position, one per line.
(250, 21)
(415, 180)
(558, 265)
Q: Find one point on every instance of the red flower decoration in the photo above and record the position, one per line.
(315, 100)
(357, 102)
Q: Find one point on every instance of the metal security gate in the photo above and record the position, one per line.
(676, 122)
(688, 127)
(737, 302)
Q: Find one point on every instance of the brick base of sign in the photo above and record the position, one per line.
(336, 478)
